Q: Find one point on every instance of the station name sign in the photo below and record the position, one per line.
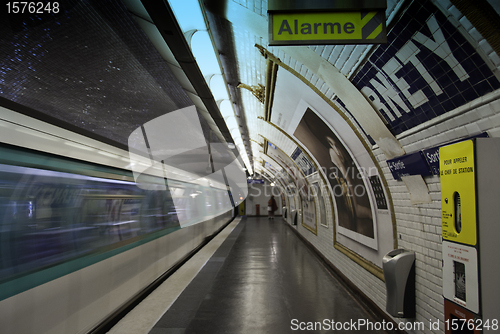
(425, 162)
(322, 23)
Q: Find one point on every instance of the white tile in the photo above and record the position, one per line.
(475, 34)
(485, 46)
(455, 12)
(472, 129)
(466, 23)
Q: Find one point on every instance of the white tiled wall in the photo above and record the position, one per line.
(418, 226)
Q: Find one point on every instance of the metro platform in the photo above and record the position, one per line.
(256, 276)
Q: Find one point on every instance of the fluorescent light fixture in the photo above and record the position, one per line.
(35, 133)
(111, 155)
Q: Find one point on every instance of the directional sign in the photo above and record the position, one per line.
(306, 28)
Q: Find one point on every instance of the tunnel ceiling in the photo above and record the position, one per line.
(338, 72)
(237, 29)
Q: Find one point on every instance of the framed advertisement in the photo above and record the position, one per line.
(318, 193)
(307, 200)
(348, 183)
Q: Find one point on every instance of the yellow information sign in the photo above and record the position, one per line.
(458, 192)
(327, 28)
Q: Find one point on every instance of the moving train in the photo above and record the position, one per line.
(79, 239)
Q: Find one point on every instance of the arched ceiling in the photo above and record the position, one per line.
(234, 91)
(240, 39)
(240, 33)
(326, 68)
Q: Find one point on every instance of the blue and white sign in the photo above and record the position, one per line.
(425, 162)
(427, 69)
(257, 181)
(410, 164)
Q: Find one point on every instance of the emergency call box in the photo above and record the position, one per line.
(470, 203)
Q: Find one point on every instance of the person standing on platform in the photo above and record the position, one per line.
(271, 207)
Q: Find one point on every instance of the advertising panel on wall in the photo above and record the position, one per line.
(427, 69)
(354, 210)
(289, 107)
(303, 186)
(288, 184)
(319, 193)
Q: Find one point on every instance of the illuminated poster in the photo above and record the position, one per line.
(303, 162)
(350, 192)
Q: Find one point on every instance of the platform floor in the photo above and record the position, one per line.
(261, 278)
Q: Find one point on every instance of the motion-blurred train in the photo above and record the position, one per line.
(79, 238)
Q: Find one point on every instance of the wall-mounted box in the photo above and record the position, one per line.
(470, 194)
(399, 274)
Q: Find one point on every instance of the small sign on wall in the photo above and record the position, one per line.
(258, 181)
(378, 191)
(432, 154)
(410, 164)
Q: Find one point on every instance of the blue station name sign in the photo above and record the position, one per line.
(424, 162)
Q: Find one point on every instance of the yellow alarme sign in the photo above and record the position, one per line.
(344, 27)
(458, 192)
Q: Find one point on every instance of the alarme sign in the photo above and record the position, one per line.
(313, 22)
(328, 28)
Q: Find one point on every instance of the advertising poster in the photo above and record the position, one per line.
(287, 182)
(303, 186)
(350, 193)
(318, 192)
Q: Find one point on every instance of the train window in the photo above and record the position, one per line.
(49, 216)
